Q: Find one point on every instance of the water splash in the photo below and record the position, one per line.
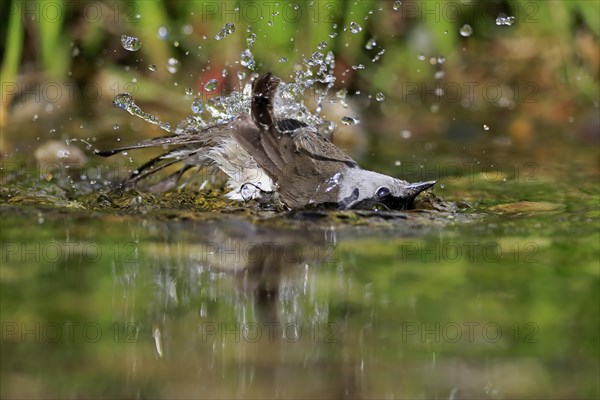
(197, 106)
(313, 79)
(126, 102)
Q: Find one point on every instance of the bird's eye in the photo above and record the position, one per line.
(383, 192)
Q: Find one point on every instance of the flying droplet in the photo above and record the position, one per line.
(131, 43)
(370, 44)
(172, 65)
(189, 91)
(225, 31)
(283, 59)
(355, 28)
(123, 100)
(439, 74)
(116, 127)
(397, 5)
(379, 96)
(486, 127)
(247, 59)
(163, 32)
(466, 30)
(322, 45)
(211, 85)
(152, 67)
(406, 134)
(505, 20)
(251, 39)
(350, 121)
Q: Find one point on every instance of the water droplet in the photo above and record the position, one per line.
(441, 59)
(131, 43)
(439, 74)
(283, 59)
(225, 72)
(333, 34)
(241, 75)
(35, 117)
(350, 121)
(505, 20)
(116, 127)
(333, 182)
(251, 39)
(172, 65)
(189, 91)
(247, 59)
(379, 96)
(370, 44)
(123, 100)
(406, 134)
(397, 163)
(355, 28)
(397, 5)
(421, 57)
(163, 32)
(211, 85)
(52, 130)
(152, 67)
(63, 153)
(359, 66)
(197, 106)
(225, 31)
(187, 29)
(466, 30)
(322, 46)
(486, 127)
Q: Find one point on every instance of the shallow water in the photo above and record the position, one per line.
(494, 294)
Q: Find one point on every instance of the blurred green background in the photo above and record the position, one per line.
(64, 60)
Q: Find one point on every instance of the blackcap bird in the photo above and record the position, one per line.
(278, 161)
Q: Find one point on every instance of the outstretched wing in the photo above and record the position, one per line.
(191, 150)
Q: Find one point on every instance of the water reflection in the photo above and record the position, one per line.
(233, 308)
(243, 307)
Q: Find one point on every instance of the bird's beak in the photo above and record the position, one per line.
(414, 189)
